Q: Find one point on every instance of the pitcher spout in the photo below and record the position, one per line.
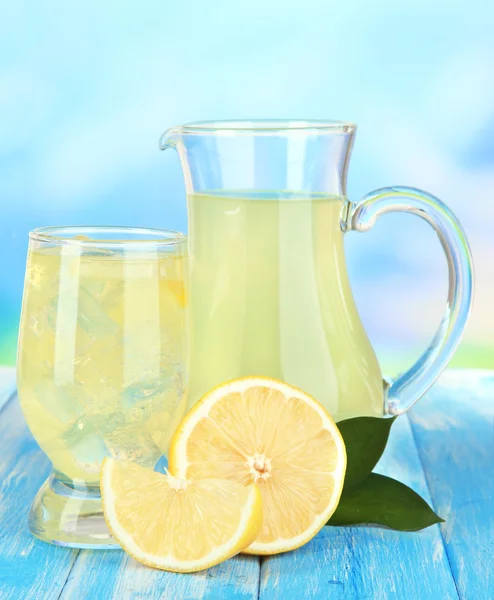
(170, 138)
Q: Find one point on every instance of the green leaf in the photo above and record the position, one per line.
(365, 439)
(384, 501)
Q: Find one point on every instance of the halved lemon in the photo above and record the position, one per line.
(263, 431)
(177, 525)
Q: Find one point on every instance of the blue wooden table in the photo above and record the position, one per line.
(444, 449)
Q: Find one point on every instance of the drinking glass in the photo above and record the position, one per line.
(100, 363)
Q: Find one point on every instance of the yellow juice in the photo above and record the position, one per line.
(101, 355)
(270, 295)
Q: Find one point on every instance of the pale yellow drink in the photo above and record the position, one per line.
(269, 295)
(101, 355)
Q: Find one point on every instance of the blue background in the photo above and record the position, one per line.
(86, 89)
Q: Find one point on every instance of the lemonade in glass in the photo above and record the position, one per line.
(100, 363)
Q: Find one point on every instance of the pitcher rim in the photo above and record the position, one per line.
(266, 126)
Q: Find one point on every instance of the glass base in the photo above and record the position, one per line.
(69, 515)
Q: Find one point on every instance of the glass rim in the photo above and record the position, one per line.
(266, 126)
(53, 234)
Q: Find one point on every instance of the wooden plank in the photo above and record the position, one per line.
(29, 568)
(358, 563)
(454, 430)
(7, 384)
(101, 575)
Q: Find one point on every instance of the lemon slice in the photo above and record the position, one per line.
(177, 525)
(263, 431)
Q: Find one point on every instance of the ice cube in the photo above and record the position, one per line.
(92, 317)
(35, 274)
(98, 371)
(89, 424)
(112, 292)
(89, 453)
(133, 442)
(43, 321)
(142, 391)
(107, 291)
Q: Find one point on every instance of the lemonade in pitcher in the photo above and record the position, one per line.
(101, 365)
(270, 296)
(269, 292)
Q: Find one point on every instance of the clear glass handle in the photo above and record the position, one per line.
(404, 391)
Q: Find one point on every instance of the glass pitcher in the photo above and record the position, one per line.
(269, 291)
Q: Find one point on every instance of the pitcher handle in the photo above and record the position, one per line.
(404, 391)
